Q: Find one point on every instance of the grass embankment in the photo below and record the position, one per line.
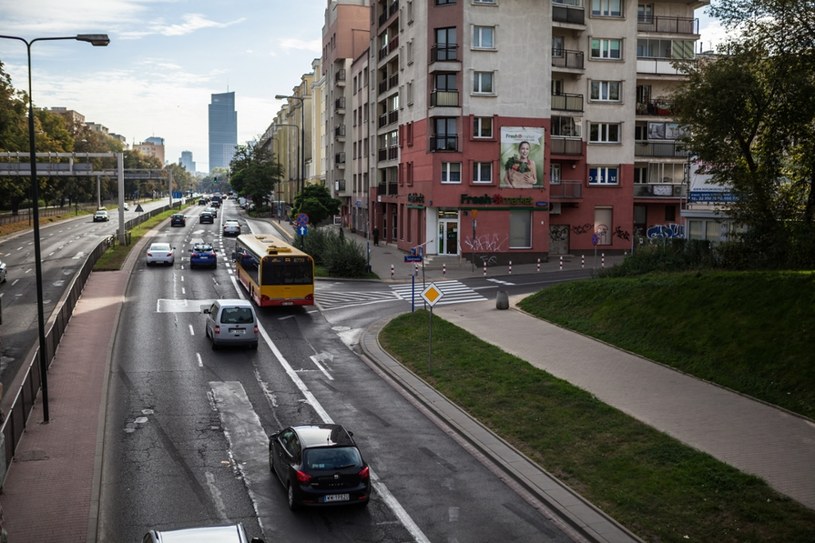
(729, 327)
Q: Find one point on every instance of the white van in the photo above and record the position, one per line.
(232, 322)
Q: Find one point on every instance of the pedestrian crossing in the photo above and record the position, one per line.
(455, 292)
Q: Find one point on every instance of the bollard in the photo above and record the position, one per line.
(602, 260)
(510, 267)
(485, 269)
(539, 264)
(582, 261)
(391, 271)
(502, 300)
(444, 270)
(561, 262)
(416, 269)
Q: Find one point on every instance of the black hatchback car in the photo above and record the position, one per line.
(206, 216)
(178, 219)
(319, 465)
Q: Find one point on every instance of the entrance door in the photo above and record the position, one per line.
(448, 236)
(559, 239)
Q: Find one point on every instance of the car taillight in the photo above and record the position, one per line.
(217, 329)
(256, 329)
(170, 253)
(303, 478)
(149, 253)
(364, 473)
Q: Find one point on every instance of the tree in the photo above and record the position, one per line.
(254, 172)
(316, 202)
(13, 137)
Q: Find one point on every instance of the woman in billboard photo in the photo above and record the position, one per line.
(520, 169)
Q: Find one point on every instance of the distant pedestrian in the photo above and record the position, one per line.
(376, 235)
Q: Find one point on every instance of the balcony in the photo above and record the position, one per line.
(669, 25)
(388, 153)
(339, 185)
(444, 52)
(659, 66)
(339, 105)
(388, 9)
(658, 107)
(660, 190)
(444, 143)
(566, 190)
(568, 11)
(339, 160)
(567, 102)
(387, 189)
(567, 58)
(339, 132)
(389, 48)
(388, 83)
(388, 118)
(339, 77)
(566, 146)
(444, 99)
(663, 149)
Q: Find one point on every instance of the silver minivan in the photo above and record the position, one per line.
(232, 322)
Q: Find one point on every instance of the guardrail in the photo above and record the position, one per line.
(15, 421)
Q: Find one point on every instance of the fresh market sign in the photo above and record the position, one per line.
(495, 199)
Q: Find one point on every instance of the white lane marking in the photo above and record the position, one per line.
(409, 524)
(316, 360)
(216, 495)
(183, 290)
(192, 331)
(200, 360)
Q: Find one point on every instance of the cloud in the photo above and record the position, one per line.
(304, 45)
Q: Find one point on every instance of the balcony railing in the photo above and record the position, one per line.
(668, 25)
(567, 102)
(388, 153)
(566, 189)
(388, 118)
(566, 146)
(339, 185)
(392, 7)
(562, 12)
(664, 149)
(339, 103)
(339, 77)
(444, 143)
(660, 190)
(387, 189)
(441, 53)
(658, 107)
(444, 99)
(567, 58)
(339, 131)
(389, 47)
(339, 158)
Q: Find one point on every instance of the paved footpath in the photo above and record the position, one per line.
(752, 436)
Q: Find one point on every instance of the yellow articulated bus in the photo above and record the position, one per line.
(274, 272)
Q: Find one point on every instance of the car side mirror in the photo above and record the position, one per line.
(207, 311)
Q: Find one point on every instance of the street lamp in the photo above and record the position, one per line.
(97, 40)
(302, 135)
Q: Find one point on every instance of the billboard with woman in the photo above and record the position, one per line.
(521, 157)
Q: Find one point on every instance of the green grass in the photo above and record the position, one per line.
(656, 486)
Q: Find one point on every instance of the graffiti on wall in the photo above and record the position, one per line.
(665, 231)
(622, 234)
(485, 243)
(583, 229)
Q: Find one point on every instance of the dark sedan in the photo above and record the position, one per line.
(206, 216)
(319, 465)
(203, 255)
(178, 219)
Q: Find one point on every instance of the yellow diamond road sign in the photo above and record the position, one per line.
(432, 294)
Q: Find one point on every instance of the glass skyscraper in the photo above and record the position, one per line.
(223, 130)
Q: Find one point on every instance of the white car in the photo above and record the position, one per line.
(232, 228)
(2, 272)
(160, 253)
(125, 206)
(101, 215)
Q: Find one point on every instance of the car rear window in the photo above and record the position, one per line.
(332, 458)
(237, 315)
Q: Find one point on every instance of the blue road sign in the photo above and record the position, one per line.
(302, 230)
(413, 258)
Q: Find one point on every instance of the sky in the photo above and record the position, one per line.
(167, 57)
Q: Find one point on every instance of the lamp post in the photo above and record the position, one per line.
(97, 40)
(302, 136)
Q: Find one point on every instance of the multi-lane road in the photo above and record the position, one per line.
(186, 429)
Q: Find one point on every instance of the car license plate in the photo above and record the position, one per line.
(336, 498)
(237, 331)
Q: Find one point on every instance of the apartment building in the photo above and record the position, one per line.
(507, 130)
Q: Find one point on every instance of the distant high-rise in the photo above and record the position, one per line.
(223, 130)
(186, 161)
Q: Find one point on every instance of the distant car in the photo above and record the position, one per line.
(212, 210)
(202, 202)
(178, 219)
(319, 465)
(101, 215)
(160, 253)
(203, 255)
(2, 272)
(206, 216)
(125, 206)
(232, 228)
(232, 322)
(233, 533)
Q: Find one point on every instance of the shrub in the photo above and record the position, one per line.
(340, 256)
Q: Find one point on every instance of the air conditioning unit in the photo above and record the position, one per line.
(554, 208)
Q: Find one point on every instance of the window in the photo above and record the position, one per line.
(445, 47)
(482, 172)
(602, 176)
(565, 126)
(640, 174)
(645, 13)
(666, 49)
(557, 87)
(410, 54)
(482, 127)
(604, 133)
(604, 48)
(520, 229)
(451, 172)
(605, 91)
(483, 1)
(483, 37)
(558, 46)
(664, 131)
(444, 2)
(554, 175)
(606, 8)
(445, 134)
(482, 82)
(444, 81)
